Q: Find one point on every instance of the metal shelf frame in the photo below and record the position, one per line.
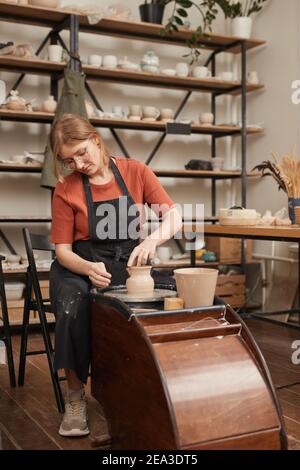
(76, 24)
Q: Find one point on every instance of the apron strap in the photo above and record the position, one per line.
(90, 205)
(120, 180)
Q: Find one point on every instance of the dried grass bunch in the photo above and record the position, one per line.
(285, 172)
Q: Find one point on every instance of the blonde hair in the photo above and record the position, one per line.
(70, 128)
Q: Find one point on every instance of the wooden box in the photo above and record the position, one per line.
(44, 284)
(228, 250)
(232, 289)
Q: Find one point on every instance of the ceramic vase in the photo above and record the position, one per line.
(292, 204)
(140, 281)
(50, 105)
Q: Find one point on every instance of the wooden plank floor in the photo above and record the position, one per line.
(29, 418)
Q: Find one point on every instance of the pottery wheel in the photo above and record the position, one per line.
(157, 295)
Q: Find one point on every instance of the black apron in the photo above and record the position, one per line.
(69, 291)
(113, 229)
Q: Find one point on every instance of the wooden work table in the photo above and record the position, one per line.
(283, 234)
(260, 232)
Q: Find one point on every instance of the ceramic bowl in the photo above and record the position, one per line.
(169, 72)
(13, 258)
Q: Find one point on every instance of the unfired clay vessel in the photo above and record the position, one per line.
(196, 286)
(140, 281)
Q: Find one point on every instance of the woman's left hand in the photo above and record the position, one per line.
(142, 253)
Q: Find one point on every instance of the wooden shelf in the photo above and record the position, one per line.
(161, 173)
(48, 17)
(32, 66)
(207, 85)
(45, 67)
(20, 168)
(42, 117)
(23, 271)
(27, 220)
(255, 232)
(202, 174)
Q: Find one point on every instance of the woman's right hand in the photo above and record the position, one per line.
(98, 275)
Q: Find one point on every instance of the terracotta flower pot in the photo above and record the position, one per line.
(196, 286)
(140, 282)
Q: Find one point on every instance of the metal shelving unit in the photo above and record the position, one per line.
(58, 20)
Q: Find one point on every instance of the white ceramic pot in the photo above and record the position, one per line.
(150, 112)
(242, 27)
(196, 286)
(200, 72)
(182, 69)
(167, 113)
(207, 118)
(95, 59)
(164, 253)
(110, 61)
(50, 105)
(55, 52)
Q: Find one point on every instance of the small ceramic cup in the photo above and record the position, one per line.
(110, 61)
(200, 72)
(207, 119)
(150, 112)
(55, 53)
(118, 111)
(217, 163)
(135, 110)
(182, 69)
(95, 59)
(167, 113)
(164, 253)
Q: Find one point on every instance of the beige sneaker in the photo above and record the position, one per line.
(74, 422)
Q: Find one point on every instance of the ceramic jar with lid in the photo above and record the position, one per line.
(150, 62)
(50, 105)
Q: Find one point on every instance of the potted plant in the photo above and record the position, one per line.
(240, 12)
(208, 10)
(287, 175)
(153, 11)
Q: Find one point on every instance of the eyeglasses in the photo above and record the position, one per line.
(82, 156)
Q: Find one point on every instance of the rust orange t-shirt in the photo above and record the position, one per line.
(69, 210)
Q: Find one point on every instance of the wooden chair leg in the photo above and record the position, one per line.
(7, 331)
(50, 353)
(24, 332)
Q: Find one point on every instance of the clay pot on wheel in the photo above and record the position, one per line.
(140, 282)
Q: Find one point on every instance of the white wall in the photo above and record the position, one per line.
(277, 65)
